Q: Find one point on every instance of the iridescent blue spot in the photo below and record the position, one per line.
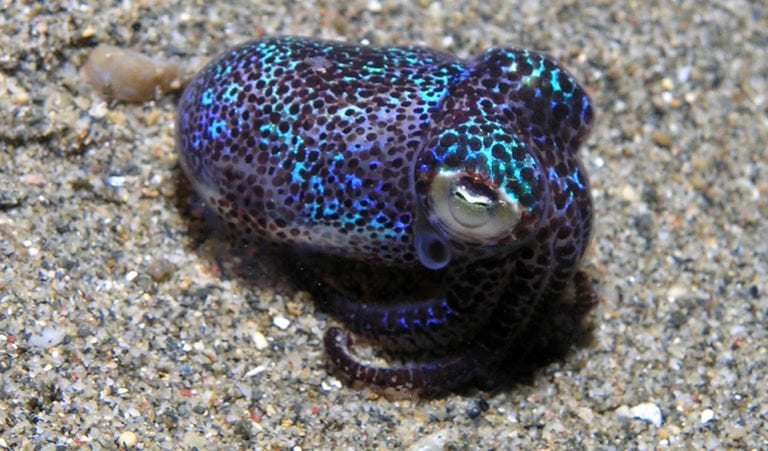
(230, 94)
(380, 219)
(400, 224)
(296, 172)
(216, 128)
(207, 97)
(553, 79)
(331, 208)
(220, 72)
(584, 108)
(432, 320)
(352, 182)
(576, 180)
(537, 71)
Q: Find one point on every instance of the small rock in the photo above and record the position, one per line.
(281, 322)
(676, 292)
(477, 409)
(10, 194)
(667, 83)
(736, 432)
(435, 441)
(115, 181)
(48, 338)
(128, 75)
(586, 414)
(629, 194)
(707, 415)
(662, 139)
(98, 110)
(648, 412)
(374, 6)
(127, 439)
(253, 372)
(10, 199)
(194, 440)
(623, 412)
(330, 384)
(160, 270)
(260, 340)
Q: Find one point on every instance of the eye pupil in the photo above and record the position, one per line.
(474, 192)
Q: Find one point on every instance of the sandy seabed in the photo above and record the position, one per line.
(122, 324)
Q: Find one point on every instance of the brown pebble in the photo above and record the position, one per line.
(161, 270)
(128, 75)
(662, 139)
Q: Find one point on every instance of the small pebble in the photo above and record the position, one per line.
(683, 73)
(258, 370)
(10, 195)
(707, 415)
(676, 291)
(48, 338)
(477, 409)
(666, 83)
(586, 414)
(330, 384)
(260, 341)
(646, 411)
(98, 110)
(115, 181)
(127, 439)
(281, 322)
(662, 139)
(160, 270)
(87, 33)
(435, 441)
(128, 75)
(374, 6)
(192, 439)
(629, 194)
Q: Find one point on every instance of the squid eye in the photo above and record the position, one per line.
(469, 208)
(471, 203)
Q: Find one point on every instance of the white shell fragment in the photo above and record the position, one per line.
(48, 338)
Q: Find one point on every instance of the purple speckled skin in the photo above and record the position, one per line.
(409, 162)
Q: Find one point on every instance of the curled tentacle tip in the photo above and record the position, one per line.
(335, 337)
